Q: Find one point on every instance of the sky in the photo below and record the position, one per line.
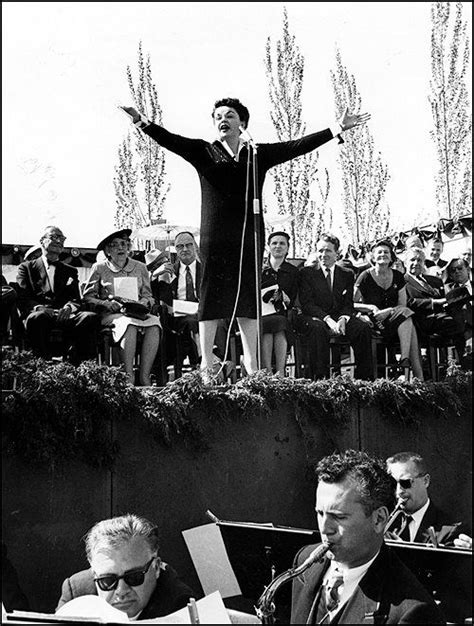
(64, 73)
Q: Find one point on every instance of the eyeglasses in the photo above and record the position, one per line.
(133, 578)
(458, 268)
(407, 483)
(59, 238)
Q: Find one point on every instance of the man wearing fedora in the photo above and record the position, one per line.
(49, 298)
(178, 281)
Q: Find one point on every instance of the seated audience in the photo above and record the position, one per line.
(434, 263)
(179, 281)
(283, 276)
(102, 292)
(326, 298)
(360, 579)
(459, 302)
(49, 298)
(126, 570)
(426, 297)
(381, 292)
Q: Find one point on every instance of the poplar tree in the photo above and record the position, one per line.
(364, 173)
(140, 176)
(450, 106)
(284, 69)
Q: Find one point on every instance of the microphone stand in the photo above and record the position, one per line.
(258, 253)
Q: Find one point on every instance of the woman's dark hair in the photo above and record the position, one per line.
(279, 233)
(234, 103)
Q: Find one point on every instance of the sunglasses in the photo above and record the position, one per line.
(407, 483)
(133, 578)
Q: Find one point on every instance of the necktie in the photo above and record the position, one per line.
(404, 530)
(332, 590)
(328, 280)
(190, 295)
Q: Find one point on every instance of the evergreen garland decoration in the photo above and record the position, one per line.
(59, 412)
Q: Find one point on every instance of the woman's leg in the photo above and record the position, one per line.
(151, 342)
(267, 350)
(248, 334)
(280, 345)
(128, 345)
(207, 334)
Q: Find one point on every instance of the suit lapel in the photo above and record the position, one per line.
(41, 269)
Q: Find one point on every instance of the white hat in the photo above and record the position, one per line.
(154, 258)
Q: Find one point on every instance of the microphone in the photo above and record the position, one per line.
(244, 133)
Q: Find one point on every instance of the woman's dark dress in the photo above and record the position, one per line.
(286, 278)
(223, 185)
(373, 293)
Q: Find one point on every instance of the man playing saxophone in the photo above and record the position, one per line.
(360, 580)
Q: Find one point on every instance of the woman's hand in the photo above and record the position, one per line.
(112, 306)
(381, 315)
(400, 310)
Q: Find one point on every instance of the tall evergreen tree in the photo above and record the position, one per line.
(140, 176)
(364, 173)
(284, 68)
(449, 99)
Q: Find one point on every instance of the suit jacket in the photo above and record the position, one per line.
(170, 593)
(34, 287)
(446, 530)
(420, 296)
(167, 292)
(387, 594)
(461, 312)
(316, 298)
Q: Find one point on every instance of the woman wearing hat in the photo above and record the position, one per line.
(99, 293)
(380, 291)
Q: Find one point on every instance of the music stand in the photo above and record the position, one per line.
(258, 552)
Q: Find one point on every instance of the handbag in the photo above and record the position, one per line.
(130, 308)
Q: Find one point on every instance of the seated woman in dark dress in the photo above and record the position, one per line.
(284, 276)
(426, 297)
(381, 292)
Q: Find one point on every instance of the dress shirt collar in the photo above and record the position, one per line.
(417, 517)
(192, 268)
(47, 263)
(229, 150)
(352, 577)
(128, 267)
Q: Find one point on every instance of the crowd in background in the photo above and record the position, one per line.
(147, 299)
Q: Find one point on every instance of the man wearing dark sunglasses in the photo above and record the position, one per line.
(418, 512)
(126, 571)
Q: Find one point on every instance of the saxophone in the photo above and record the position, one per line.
(266, 607)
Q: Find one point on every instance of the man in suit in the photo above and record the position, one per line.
(360, 580)
(126, 571)
(418, 512)
(49, 298)
(459, 287)
(426, 297)
(435, 264)
(326, 298)
(179, 281)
